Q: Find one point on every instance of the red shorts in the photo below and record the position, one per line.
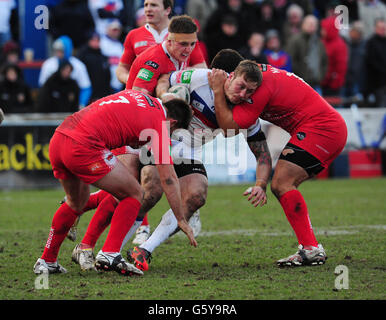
(325, 141)
(70, 159)
(125, 150)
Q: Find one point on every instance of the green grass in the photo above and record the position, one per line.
(349, 217)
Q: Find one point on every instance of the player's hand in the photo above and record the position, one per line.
(167, 96)
(217, 79)
(185, 227)
(256, 196)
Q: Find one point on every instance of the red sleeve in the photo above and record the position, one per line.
(128, 55)
(147, 78)
(196, 56)
(247, 113)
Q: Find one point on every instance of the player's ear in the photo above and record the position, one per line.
(173, 124)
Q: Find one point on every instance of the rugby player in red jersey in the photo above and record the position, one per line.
(318, 135)
(80, 155)
(157, 16)
(155, 31)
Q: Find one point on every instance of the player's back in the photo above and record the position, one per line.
(115, 120)
(285, 100)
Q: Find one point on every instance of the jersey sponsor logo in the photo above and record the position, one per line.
(140, 44)
(186, 76)
(152, 64)
(145, 74)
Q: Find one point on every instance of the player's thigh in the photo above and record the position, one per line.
(131, 162)
(120, 183)
(77, 192)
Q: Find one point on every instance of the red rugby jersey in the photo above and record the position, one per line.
(128, 117)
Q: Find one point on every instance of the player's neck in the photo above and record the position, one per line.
(159, 27)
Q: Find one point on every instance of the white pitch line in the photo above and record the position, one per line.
(331, 231)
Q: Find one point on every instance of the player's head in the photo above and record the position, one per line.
(180, 111)
(227, 60)
(243, 82)
(157, 11)
(182, 37)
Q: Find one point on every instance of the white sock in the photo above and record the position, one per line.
(166, 227)
(134, 227)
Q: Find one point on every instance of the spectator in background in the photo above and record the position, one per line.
(6, 7)
(356, 74)
(112, 48)
(103, 11)
(15, 95)
(274, 53)
(10, 53)
(60, 93)
(227, 37)
(369, 11)
(98, 67)
(337, 55)
(140, 18)
(254, 48)
(233, 8)
(267, 18)
(71, 18)
(293, 23)
(62, 48)
(201, 10)
(308, 55)
(375, 62)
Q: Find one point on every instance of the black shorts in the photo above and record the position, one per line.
(302, 158)
(185, 169)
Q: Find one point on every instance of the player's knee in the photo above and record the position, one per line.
(276, 188)
(195, 200)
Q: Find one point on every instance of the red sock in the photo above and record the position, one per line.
(95, 199)
(295, 209)
(145, 222)
(100, 220)
(63, 219)
(123, 218)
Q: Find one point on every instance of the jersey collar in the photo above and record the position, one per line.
(158, 37)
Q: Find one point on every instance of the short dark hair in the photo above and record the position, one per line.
(168, 3)
(182, 24)
(250, 70)
(179, 110)
(227, 60)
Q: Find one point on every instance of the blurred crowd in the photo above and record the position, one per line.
(343, 58)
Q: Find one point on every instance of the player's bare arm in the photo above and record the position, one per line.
(171, 187)
(162, 88)
(122, 72)
(142, 90)
(257, 193)
(224, 115)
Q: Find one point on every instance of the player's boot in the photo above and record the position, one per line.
(141, 235)
(140, 258)
(115, 262)
(195, 223)
(84, 257)
(71, 235)
(41, 266)
(305, 257)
